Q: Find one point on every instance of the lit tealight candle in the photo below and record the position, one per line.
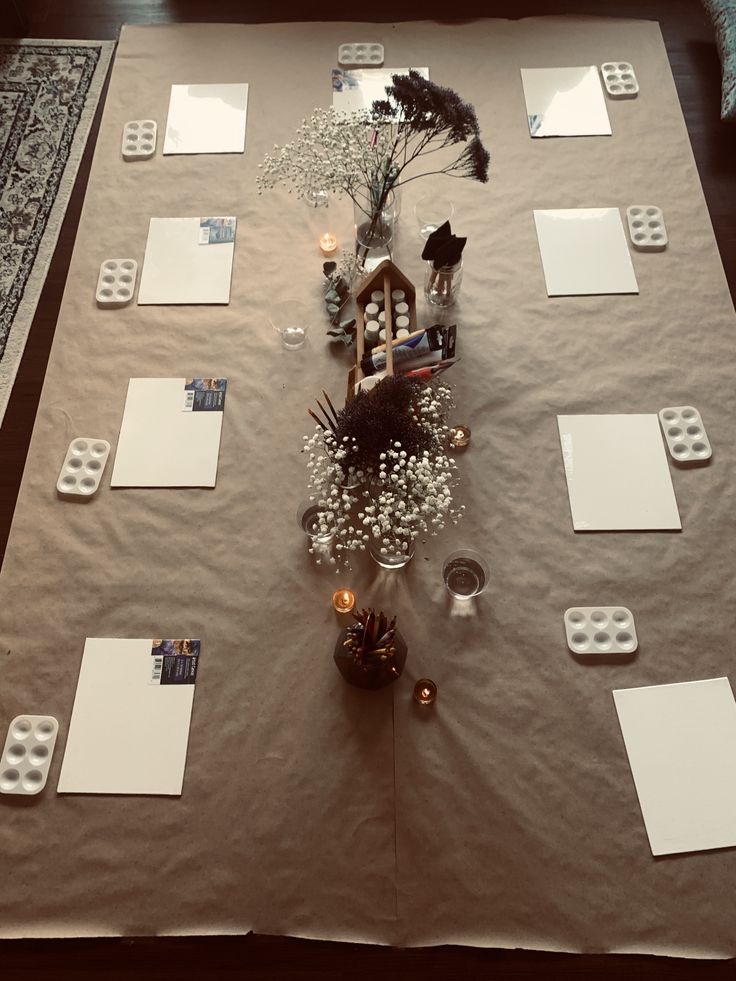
(328, 243)
(343, 600)
(459, 436)
(425, 691)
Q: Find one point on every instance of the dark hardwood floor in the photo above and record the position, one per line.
(689, 39)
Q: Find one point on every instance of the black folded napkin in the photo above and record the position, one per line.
(443, 248)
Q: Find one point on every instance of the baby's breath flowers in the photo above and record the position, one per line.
(380, 490)
(369, 153)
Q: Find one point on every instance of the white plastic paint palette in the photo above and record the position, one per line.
(620, 80)
(116, 282)
(139, 139)
(685, 434)
(27, 754)
(360, 55)
(600, 630)
(646, 228)
(83, 467)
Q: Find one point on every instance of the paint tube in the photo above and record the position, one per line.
(436, 343)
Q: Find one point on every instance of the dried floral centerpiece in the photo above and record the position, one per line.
(370, 154)
(379, 469)
(370, 653)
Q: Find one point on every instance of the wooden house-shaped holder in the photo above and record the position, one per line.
(385, 277)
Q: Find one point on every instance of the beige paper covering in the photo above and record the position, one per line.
(507, 815)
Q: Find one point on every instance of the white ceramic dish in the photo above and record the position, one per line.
(116, 282)
(685, 434)
(600, 630)
(139, 139)
(647, 229)
(27, 754)
(362, 54)
(619, 79)
(83, 467)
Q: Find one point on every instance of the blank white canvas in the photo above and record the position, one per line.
(584, 252)
(126, 735)
(178, 269)
(565, 102)
(681, 744)
(161, 445)
(206, 119)
(370, 87)
(618, 478)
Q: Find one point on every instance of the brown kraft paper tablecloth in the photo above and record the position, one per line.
(506, 815)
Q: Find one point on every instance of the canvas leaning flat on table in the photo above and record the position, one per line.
(681, 744)
(565, 102)
(618, 478)
(206, 119)
(165, 443)
(584, 252)
(358, 88)
(179, 267)
(129, 728)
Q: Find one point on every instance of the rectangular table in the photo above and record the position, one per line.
(507, 815)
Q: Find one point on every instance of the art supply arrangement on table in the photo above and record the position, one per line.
(600, 630)
(620, 80)
(584, 252)
(170, 433)
(357, 89)
(83, 467)
(646, 228)
(116, 282)
(360, 54)
(130, 721)
(188, 261)
(27, 754)
(206, 119)
(617, 473)
(681, 743)
(443, 253)
(565, 102)
(139, 139)
(685, 434)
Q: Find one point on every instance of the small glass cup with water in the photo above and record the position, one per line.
(289, 319)
(432, 211)
(316, 523)
(466, 573)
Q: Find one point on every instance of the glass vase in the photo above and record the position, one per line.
(394, 555)
(441, 286)
(374, 230)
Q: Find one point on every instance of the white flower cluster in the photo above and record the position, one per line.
(337, 152)
(405, 496)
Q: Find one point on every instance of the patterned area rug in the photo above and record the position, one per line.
(49, 91)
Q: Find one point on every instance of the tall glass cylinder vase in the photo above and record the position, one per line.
(374, 229)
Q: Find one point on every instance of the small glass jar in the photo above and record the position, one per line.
(395, 555)
(441, 286)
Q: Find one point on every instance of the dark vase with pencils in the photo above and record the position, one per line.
(370, 653)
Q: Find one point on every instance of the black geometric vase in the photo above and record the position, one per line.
(378, 675)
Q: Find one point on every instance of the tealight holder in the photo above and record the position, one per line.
(328, 243)
(343, 600)
(459, 436)
(425, 691)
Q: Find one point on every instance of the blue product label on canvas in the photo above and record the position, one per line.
(174, 662)
(204, 394)
(216, 231)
